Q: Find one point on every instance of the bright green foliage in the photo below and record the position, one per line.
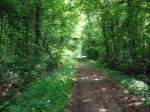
(33, 37)
(37, 36)
(50, 94)
(120, 29)
(91, 48)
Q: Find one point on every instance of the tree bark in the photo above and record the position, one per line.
(130, 30)
(1, 32)
(105, 41)
(37, 25)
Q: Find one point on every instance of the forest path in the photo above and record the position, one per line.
(93, 92)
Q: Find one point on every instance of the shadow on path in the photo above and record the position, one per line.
(93, 92)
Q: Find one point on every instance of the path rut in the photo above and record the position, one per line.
(94, 92)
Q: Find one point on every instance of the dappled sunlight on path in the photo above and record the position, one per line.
(93, 92)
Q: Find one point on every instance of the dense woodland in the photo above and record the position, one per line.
(35, 35)
(118, 33)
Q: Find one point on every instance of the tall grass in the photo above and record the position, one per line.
(50, 94)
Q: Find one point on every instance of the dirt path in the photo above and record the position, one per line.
(93, 92)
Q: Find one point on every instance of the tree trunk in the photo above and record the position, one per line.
(131, 29)
(1, 33)
(106, 41)
(37, 25)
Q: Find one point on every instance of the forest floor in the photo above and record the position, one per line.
(94, 92)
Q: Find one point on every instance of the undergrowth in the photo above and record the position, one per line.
(130, 83)
(50, 94)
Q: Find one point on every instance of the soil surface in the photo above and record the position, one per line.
(94, 92)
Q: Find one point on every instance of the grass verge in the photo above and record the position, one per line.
(50, 94)
(127, 82)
